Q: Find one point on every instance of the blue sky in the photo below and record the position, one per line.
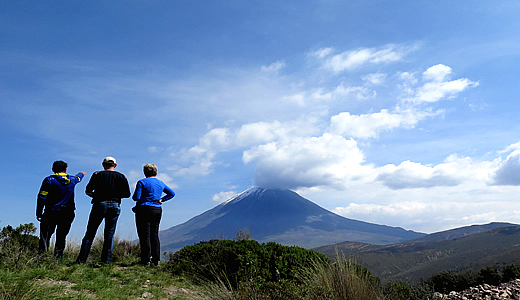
(401, 113)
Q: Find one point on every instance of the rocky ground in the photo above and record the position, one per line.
(509, 290)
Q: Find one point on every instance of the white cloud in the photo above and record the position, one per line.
(395, 209)
(370, 125)
(353, 59)
(433, 211)
(515, 146)
(407, 77)
(415, 175)
(133, 176)
(325, 96)
(274, 67)
(322, 53)
(438, 73)
(438, 87)
(223, 196)
(167, 180)
(219, 140)
(435, 91)
(480, 218)
(508, 171)
(375, 78)
(305, 162)
(200, 166)
(453, 171)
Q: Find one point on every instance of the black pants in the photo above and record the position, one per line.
(147, 219)
(59, 221)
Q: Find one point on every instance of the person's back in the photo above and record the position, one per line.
(149, 197)
(108, 185)
(106, 188)
(60, 190)
(55, 207)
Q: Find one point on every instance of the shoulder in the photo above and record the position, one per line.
(156, 181)
(120, 175)
(48, 179)
(147, 181)
(163, 185)
(110, 173)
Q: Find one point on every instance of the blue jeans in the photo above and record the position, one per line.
(108, 210)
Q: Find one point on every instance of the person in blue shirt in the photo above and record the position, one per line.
(55, 207)
(149, 197)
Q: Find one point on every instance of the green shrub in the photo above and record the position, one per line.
(510, 272)
(123, 250)
(490, 275)
(241, 261)
(18, 246)
(19, 287)
(407, 291)
(447, 281)
(342, 279)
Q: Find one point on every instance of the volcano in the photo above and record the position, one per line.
(281, 216)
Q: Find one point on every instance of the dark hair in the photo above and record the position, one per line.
(150, 170)
(59, 166)
(108, 164)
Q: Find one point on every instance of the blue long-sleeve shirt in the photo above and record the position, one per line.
(149, 191)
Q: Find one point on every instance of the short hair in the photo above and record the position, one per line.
(59, 166)
(150, 170)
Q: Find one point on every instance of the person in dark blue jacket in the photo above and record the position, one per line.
(148, 211)
(55, 207)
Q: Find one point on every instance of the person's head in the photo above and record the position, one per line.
(150, 170)
(59, 166)
(109, 162)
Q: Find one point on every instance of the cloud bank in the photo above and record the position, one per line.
(321, 147)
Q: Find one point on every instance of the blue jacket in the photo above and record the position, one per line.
(57, 193)
(150, 190)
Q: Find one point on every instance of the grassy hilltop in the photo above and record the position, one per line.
(216, 269)
(26, 275)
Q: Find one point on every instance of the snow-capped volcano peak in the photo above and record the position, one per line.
(257, 191)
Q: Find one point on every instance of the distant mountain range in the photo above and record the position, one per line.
(472, 247)
(280, 216)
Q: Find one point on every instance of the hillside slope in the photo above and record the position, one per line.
(414, 260)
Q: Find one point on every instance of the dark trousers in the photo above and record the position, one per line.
(147, 219)
(59, 221)
(104, 210)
